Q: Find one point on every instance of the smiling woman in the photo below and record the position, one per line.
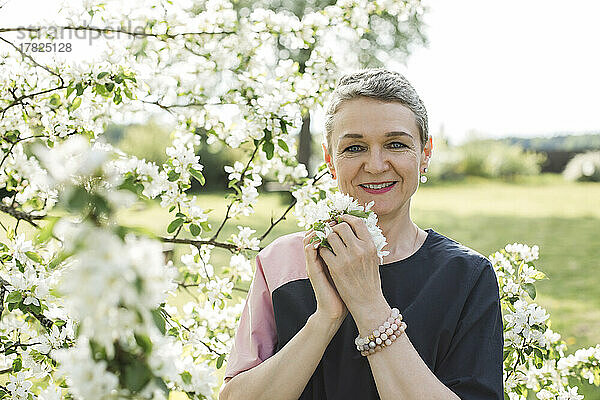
(334, 323)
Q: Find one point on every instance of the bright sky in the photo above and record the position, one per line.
(509, 67)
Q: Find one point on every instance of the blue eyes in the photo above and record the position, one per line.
(355, 148)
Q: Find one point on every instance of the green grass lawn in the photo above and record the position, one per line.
(562, 218)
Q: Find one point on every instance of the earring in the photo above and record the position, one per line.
(423, 177)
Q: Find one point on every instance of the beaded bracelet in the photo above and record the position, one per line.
(383, 336)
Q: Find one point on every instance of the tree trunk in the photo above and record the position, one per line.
(305, 142)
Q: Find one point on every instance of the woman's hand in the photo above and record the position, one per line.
(353, 264)
(329, 303)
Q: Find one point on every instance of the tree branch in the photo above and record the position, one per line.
(282, 217)
(25, 55)
(21, 214)
(227, 246)
(134, 33)
(46, 322)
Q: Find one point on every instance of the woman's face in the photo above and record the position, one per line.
(376, 154)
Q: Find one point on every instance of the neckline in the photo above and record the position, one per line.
(421, 249)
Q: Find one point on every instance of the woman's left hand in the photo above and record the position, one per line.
(353, 264)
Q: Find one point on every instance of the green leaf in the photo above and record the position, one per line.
(186, 377)
(180, 215)
(283, 126)
(195, 229)
(530, 289)
(162, 385)
(128, 93)
(17, 364)
(283, 145)
(539, 275)
(173, 176)
(220, 361)
(176, 223)
(34, 256)
(358, 213)
(538, 358)
(80, 88)
(78, 199)
(14, 297)
(101, 90)
(102, 74)
(75, 105)
(198, 175)
(117, 99)
(62, 256)
(55, 101)
(46, 232)
(268, 148)
(144, 342)
(159, 320)
(109, 86)
(70, 90)
(171, 209)
(205, 225)
(136, 376)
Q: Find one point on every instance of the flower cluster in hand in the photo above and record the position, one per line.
(320, 215)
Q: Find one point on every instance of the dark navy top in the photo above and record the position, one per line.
(446, 292)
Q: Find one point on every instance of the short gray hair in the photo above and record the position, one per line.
(380, 84)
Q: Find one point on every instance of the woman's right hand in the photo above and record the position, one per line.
(329, 303)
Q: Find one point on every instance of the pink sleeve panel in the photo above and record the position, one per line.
(256, 338)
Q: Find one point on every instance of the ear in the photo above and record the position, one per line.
(328, 161)
(426, 153)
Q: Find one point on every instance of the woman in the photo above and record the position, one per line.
(297, 337)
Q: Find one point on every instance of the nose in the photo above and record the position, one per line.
(376, 161)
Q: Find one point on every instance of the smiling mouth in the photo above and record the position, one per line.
(377, 186)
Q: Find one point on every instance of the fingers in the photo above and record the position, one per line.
(345, 233)
(358, 226)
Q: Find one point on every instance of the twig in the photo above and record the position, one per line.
(25, 55)
(242, 176)
(282, 217)
(228, 246)
(46, 322)
(113, 30)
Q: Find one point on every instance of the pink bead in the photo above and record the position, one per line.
(388, 342)
(398, 321)
(391, 320)
(395, 312)
(394, 326)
